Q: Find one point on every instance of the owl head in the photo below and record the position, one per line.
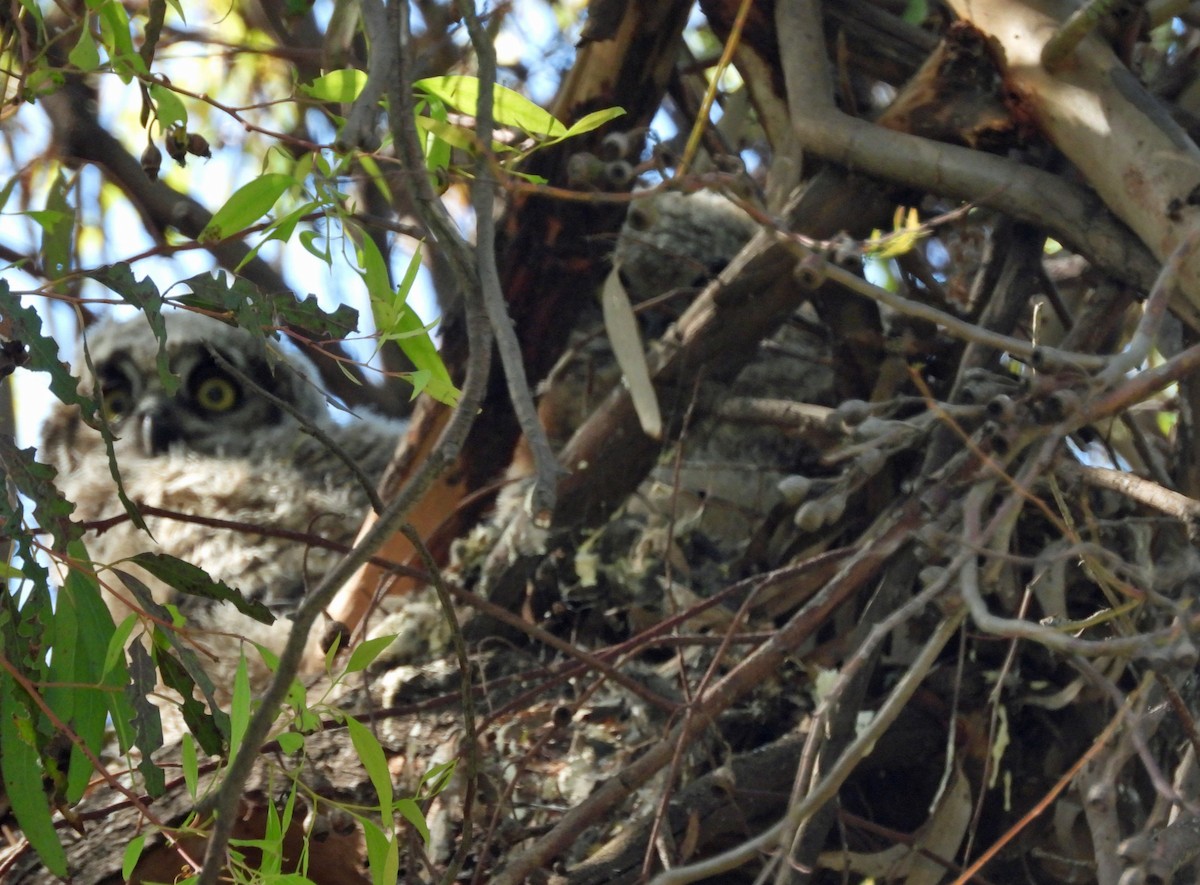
(212, 411)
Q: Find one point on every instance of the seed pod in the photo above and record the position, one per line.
(197, 146)
(151, 161)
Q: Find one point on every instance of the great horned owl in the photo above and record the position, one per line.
(215, 448)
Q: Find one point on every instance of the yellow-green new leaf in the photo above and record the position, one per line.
(341, 86)
(594, 120)
(509, 108)
(249, 203)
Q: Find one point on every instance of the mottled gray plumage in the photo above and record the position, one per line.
(215, 448)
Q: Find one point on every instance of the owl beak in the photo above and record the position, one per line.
(156, 428)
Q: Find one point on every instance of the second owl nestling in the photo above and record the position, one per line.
(215, 448)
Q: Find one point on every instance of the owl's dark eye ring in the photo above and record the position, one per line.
(116, 402)
(216, 393)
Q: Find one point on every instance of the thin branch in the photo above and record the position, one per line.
(1075, 217)
(483, 201)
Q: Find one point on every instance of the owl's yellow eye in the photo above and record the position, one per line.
(216, 394)
(116, 403)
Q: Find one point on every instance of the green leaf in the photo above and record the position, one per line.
(85, 55)
(249, 203)
(455, 137)
(260, 311)
(21, 769)
(133, 853)
(144, 295)
(915, 12)
(283, 229)
(367, 651)
(190, 764)
(594, 120)
(114, 33)
(83, 627)
(437, 778)
(25, 325)
(290, 742)
(437, 151)
(206, 726)
(509, 108)
(411, 812)
(36, 481)
(341, 86)
(35, 13)
(182, 672)
(57, 236)
(414, 340)
(397, 322)
(194, 581)
(308, 239)
(147, 720)
(239, 708)
(380, 851)
(370, 753)
(168, 108)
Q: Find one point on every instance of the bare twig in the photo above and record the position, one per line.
(483, 202)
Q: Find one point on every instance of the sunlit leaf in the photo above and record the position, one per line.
(248, 204)
(397, 322)
(509, 108)
(594, 120)
(379, 850)
(437, 778)
(341, 86)
(367, 651)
